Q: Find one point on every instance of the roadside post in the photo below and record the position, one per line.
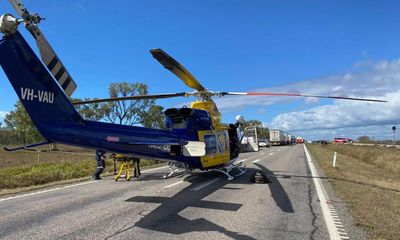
(334, 159)
(394, 134)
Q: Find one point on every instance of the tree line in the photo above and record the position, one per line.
(18, 128)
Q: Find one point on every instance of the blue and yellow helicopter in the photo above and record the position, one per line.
(195, 139)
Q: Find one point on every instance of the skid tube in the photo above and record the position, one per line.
(228, 168)
(175, 167)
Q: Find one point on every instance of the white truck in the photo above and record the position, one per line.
(277, 137)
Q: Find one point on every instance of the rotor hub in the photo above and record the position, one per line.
(8, 24)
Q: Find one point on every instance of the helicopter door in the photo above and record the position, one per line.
(249, 141)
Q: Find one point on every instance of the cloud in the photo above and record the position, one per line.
(2, 115)
(382, 132)
(375, 81)
(350, 118)
(342, 114)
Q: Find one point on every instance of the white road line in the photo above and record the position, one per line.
(271, 154)
(262, 153)
(257, 160)
(244, 159)
(205, 184)
(154, 169)
(333, 233)
(68, 186)
(46, 191)
(173, 184)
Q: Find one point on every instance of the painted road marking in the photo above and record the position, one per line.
(244, 159)
(68, 186)
(205, 184)
(173, 184)
(262, 153)
(48, 190)
(329, 220)
(257, 160)
(271, 154)
(153, 169)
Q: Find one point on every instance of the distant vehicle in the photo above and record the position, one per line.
(342, 140)
(299, 140)
(277, 137)
(264, 143)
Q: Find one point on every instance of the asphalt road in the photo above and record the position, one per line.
(197, 206)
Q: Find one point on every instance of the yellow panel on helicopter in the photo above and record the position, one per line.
(217, 148)
(210, 107)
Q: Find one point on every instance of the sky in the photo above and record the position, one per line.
(345, 48)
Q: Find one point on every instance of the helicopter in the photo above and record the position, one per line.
(195, 137)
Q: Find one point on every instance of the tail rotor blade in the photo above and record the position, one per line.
(53, 63)
(47, 54)
(273, 94)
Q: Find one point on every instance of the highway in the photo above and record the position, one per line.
(197, 206)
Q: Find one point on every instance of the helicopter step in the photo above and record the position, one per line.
(176, 167)
(229, 167)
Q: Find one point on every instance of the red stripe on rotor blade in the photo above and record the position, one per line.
(273, 94)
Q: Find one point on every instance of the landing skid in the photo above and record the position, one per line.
(228, 168)
(175, 168)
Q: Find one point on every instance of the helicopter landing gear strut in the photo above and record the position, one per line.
(175, 167)
(229, 167)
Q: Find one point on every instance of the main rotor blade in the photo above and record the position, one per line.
(136, 97)
(47, 54)
(299, 95)
(171, 64)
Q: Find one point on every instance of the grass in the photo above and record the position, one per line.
(367, 178)
(22, 169)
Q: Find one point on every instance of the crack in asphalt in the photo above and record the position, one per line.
(314, 216)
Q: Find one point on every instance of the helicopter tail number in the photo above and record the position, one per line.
(41, 96)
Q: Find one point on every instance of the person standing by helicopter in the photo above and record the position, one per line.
(101, 164)
(136, 164)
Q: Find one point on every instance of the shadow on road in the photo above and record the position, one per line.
(165, 218)
(278, 193)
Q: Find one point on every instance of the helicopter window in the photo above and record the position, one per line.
(211, 144)
(179, 123)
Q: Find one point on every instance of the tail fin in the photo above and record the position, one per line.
(43, 99)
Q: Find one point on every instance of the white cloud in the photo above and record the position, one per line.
(342, 114)
(2, 115)
(350, 118)
(374, 82)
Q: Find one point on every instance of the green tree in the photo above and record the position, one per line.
(262, 132)
(154, 117)
(364, 139)
(128, 112)
(18, 120)
(91, 111)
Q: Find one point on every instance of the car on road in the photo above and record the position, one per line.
(264, 143)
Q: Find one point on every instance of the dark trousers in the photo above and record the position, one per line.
(136, 164)
(100, 168)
